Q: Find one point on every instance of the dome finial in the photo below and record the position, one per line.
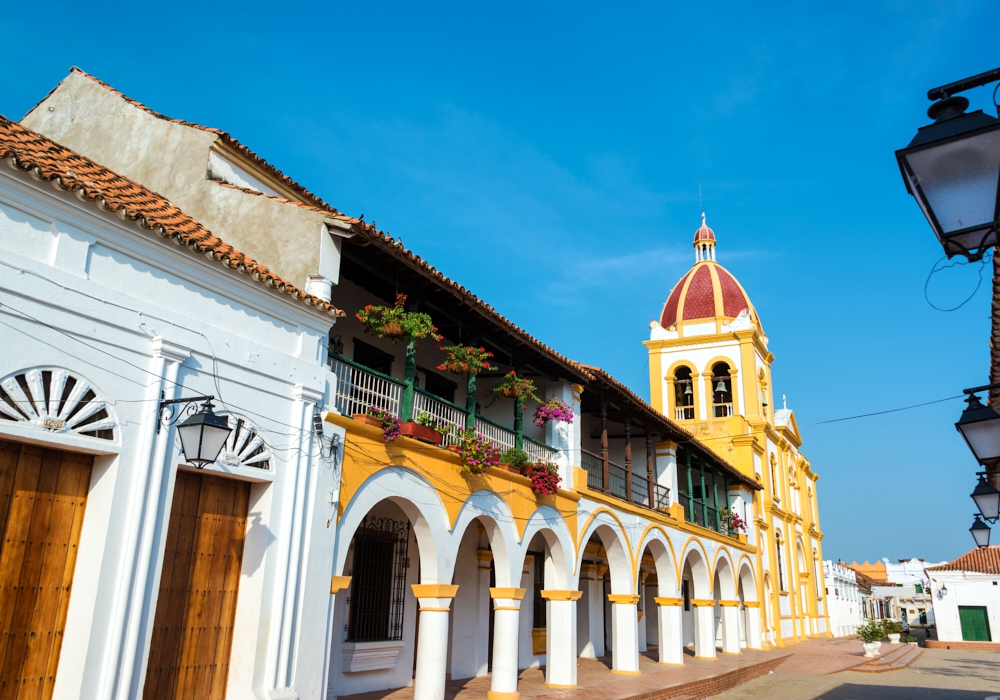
(704, 242)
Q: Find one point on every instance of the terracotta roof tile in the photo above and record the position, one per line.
(981, 561)
(46, 160)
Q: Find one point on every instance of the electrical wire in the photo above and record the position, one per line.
(935, 269)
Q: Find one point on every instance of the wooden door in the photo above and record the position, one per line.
(43, 494)
(196, 606)
(975, 624)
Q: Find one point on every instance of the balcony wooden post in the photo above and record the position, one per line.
(649, 470)
(470, 402)
(689, 515)
(703, 499)
(604, 445)
(519, 423)
(409, 380)
(715, 499)
(628, 459)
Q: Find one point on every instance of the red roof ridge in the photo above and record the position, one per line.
(982, 561)
(69, 171)
(226, 138)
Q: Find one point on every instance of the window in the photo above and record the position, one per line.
(683, 394)
(722, 390)
(781, 568)
(372, 358)
(686, 594)
(538, 618)
(440, 386)
(379, 577)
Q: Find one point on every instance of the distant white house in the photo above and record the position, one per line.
(966, 594)
(843, 598)
(910, 603)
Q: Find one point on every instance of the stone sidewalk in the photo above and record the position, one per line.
(596, 682)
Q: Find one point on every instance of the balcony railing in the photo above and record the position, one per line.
(684, 413)
(723, 410)
(699, 513)
(359, 387)
(642, 493)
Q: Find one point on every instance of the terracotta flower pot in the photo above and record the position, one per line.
(513, 469)
(420, 432)
(509, 391)
(392, 329)
(455, 367)
(368, 420)
(457, 449)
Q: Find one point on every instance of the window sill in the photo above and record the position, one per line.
(370, 656)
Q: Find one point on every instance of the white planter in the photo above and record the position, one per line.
(894, 638)
(871, 649)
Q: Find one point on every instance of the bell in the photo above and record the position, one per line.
(720, 387)
(687, 389)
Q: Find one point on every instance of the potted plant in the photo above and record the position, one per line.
(732, 523)
(871, 634)
(514, 460)
(553, 409)
(477, 452)
(544, 477)
(892, 630)
(515, 387)
(383, 419)
(426, 429)
(396, 323)
(466, 359)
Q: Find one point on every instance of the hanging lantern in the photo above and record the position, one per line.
(980, 533)
(987, 499)
(203, 436)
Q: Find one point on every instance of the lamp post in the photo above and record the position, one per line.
(203, 433)
(952, 168)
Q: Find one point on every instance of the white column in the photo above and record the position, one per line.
(730, 626)
(560, 638)
(671, 630)
(565, 437)
(704, 629)
(591, 611)
(485, 556)
(753, 625)
(624, 634)
(432, 643)
(506, 622)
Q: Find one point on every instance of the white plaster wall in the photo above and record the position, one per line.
(964, 588)
(118, 307)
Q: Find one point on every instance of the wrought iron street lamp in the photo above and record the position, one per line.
(952, 169)
(987, 499)
(203, 434)
(980, 533)
(980, 426)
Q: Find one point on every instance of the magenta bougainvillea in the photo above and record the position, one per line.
(732, 523)
(544, 477)
(390, 423)
(553, 409)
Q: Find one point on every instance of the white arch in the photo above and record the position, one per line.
(724, 585)
(57, 401)
(695, 559)
(746, 577)
(663, 560)
(617, 550)
(498, 521)
(547, 522)
(421, 505)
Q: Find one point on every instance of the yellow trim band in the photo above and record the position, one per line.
(702, 603)
(561, 595)
(626, 673)
(434, 590)
(669, 601)
(496, 695)
(623, 599)
(508, 593)
(434, 609)
(729, 603)
(339, 583)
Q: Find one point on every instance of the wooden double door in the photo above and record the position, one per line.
(196, 607)
(43, 495)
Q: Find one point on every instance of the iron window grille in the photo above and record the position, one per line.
(538, 617)
(378, 584)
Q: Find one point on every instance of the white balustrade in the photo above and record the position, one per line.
(358, 388)
(442, 412)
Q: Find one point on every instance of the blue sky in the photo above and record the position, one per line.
(548, 155)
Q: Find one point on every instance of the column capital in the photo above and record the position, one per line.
(623, 599)
(556, 595)
(484, 555)
(669, 601)
(171, 352)
(588, 572)
(434, 590)
(702, 603)
(729, 603)
(339, 583)
(508, 593)
(751, 603)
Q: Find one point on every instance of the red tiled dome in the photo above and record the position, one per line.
(707, 291)
(704, 233)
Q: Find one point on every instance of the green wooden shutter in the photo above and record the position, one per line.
(975, 625)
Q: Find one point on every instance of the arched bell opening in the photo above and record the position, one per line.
(684, 394)
(722, 391)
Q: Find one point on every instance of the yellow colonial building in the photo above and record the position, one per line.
(710, 370)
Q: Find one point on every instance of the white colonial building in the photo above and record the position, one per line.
(966, 595)
(126, 572)
(843, 599)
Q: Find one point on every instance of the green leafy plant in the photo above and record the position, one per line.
(891, 627)
(513, 387)
(515, 457)
(428, 421)
(396, 323)
(871, 631)
(909, 638)
(466, 359)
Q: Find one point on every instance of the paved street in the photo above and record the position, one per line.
(938, 673)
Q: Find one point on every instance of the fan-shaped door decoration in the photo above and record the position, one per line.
(244, 447)
(56, 401)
